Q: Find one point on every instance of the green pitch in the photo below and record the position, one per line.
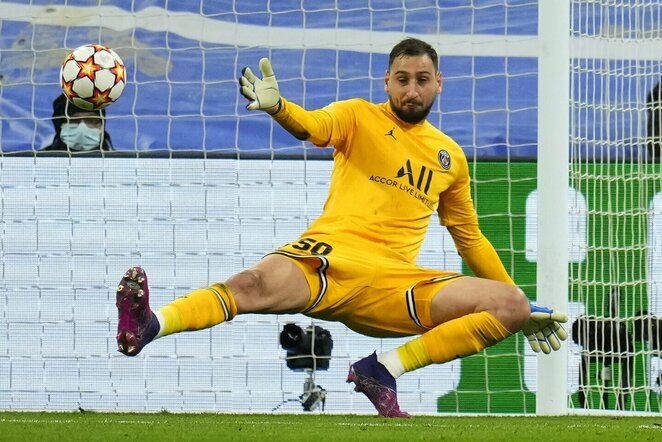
(318, 427)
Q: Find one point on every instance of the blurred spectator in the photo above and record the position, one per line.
(654, 127)
(77, 129)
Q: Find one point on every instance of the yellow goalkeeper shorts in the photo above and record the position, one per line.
(370, 292)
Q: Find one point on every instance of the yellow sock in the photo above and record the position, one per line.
(199, 309)
(451, 340)
(414, 355)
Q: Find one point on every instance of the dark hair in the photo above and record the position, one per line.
(411, 47)
(62, 109)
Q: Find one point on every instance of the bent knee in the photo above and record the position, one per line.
(513, 309)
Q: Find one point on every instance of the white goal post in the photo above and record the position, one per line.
(553, 161)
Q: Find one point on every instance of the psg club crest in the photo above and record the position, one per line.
(444, 159)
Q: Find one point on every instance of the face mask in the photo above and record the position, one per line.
(78, 136)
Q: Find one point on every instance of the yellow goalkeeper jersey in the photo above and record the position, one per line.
(388, 178)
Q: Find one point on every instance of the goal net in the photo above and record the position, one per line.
(615, 170)
(196, 189)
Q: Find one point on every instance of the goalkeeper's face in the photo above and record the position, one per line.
(412, 84)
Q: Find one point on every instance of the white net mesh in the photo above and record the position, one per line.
(616, 64)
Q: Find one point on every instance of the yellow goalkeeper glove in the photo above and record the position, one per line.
(263, 94)
(543, 329)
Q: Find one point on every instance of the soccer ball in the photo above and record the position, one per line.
(92, 77)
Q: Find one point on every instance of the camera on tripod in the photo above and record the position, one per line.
(307, 350)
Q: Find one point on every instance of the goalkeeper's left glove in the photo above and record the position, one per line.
(543, 329)
(262, 94)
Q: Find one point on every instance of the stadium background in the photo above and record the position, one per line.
(72, 225)
(181, 94)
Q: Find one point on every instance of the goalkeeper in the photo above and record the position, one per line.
(357, 262)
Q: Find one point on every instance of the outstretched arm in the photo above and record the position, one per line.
(263, 94)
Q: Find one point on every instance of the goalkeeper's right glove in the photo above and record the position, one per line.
(262, 94)
(543, 330)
